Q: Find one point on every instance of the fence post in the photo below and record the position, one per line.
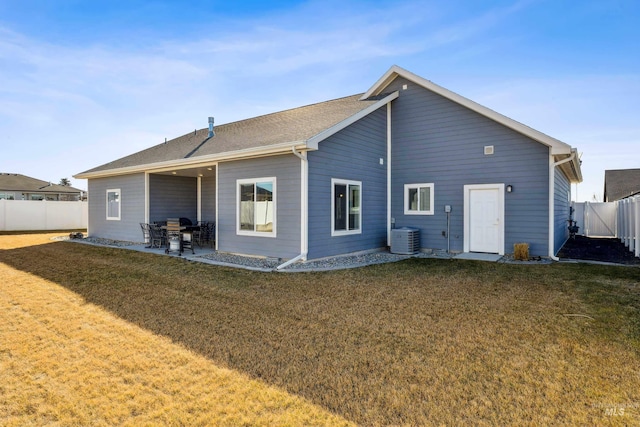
(623, 221)
(619, 232)
(586, 219)
(627, 222)
(636, 218)
(632, 221)
(632, 225)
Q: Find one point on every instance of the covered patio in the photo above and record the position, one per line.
(188, 193)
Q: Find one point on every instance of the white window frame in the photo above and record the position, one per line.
(255, 233)
(408, 187)
(346, 182)
(114, 190)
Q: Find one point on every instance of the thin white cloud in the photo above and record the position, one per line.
(84, 98)
(469, 28)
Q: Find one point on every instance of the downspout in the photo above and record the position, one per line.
(304, 206)
(389, 174)
(552, 193)
(217, 223)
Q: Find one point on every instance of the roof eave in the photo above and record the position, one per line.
(571, 166)
(196, 161)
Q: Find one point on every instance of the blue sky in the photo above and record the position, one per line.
(86, 82)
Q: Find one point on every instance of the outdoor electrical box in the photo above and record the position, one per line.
(447, 208)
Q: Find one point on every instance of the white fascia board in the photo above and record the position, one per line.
(577, 164)
(575, 174)
(384, 81)
(197, 161)
(312, 143)
(557, 146)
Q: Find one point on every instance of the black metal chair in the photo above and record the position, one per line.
(146, 233)
(201, 233)
(211, 233)
(157, 236)
(207, 230)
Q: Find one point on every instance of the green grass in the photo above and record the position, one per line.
(420, 342)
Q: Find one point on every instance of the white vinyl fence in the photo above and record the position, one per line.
(28, 215)
(629, 223)
(596, 219)
(620, 219)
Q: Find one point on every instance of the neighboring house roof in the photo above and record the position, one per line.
(561, 150)
(301, 128)
(26, 184)
(621, 183)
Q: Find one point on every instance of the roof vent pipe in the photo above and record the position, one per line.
(211, 132)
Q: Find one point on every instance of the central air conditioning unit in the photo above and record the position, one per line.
(405, 241)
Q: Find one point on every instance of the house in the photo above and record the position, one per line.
(620, 184)
(14, 186)
(336, 177)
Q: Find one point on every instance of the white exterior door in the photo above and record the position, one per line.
(484, 218)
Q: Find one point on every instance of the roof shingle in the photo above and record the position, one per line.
(289, 126)
(621, 183)
(19, 182)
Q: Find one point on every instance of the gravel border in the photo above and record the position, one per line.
(232, 260)
(323, 264)
(346, 261)
(340, 262)
(104, 242)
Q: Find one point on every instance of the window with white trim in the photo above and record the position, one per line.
(346, 202)
(113, 204)
(418, 199)
(256, 209)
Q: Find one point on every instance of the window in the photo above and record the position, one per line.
(113, 204)
(418, 199)
(8, 196)
(257, 207)
(346, 200)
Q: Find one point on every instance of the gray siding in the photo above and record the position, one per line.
(438, 141)
(172, 197)
(562, 203)
(286, 169)
(351, 154)
(208, 195)
(131, 207)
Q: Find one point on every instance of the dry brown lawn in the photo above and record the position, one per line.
(110, 336)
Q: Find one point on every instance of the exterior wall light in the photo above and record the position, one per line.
(509, 188)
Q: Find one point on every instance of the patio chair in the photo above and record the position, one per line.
(197, 234)
(157, 236)
(205, 235)
(146, 233)
(211, 233)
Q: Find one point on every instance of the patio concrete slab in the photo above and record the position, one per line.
(475, 256)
